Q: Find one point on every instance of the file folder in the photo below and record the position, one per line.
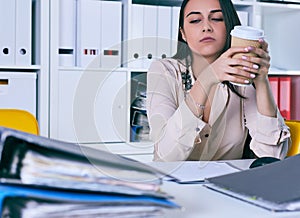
(23, 32)
(67, 32)
(150, 34)
(175, 27)
(274, 83)
(135, 43)
(8, 33)
(243, 16)
(164, 32)
(88, 33)
(42, 162)
(285, 92)
(273, 186)
(111, 25)
(30, 201)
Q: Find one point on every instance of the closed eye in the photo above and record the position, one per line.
(195, 21)
(217, 19)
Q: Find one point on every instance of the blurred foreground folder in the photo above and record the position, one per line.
(38, 167)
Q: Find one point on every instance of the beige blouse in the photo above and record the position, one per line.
(180, 135)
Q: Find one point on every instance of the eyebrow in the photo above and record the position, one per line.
(197, 12)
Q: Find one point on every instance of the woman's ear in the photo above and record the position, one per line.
(182, 34)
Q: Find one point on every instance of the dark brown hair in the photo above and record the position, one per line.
(231, 19)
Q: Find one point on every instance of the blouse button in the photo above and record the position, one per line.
(197, 129)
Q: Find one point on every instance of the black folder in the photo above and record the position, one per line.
(275, 186)
(35, 160)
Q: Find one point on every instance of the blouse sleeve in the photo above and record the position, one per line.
(173, 127)
(270, 135)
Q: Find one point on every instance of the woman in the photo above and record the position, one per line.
(194, 112)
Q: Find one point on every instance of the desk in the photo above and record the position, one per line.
(200, 202)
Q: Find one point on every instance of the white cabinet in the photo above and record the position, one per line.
(92, 106)
(24, 57)
(18, 90)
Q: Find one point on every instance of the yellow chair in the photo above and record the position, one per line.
(294, 126)
(20, 120)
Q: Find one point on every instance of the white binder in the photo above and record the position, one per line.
(150, 33)
(243, 15)
(88, 33)
(67, 32)
(111, 22)
(135, 43)
(175, 26)
(8, 34)
(23, 32)
(164, 32)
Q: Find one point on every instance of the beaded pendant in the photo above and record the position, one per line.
(186, 80)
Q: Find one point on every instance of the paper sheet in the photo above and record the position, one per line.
(194, 171)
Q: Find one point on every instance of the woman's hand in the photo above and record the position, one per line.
(245, 68)
(262, 60)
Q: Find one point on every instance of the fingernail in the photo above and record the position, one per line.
(250, 48)
(261, 40)
(246, 81)
(244, 57)
(255, 66)
(252, 75)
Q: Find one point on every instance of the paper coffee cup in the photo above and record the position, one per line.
(244, 36)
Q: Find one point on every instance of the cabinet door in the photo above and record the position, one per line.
(92, 106)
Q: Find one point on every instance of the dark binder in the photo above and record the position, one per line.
(274, 186)
(102, 171)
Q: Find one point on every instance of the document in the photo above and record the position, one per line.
(193, 171)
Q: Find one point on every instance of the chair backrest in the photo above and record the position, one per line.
(20, 120)
(294, 126)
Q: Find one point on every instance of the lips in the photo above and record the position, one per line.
(207, 39)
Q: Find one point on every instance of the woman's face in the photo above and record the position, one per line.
(204, 28)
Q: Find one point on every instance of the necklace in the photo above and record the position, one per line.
(186, 78)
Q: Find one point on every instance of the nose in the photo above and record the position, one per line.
(206, 27)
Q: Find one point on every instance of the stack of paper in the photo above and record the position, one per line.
(45, 177)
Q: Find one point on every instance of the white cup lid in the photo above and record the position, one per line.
(247, 32)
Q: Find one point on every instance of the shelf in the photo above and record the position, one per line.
(271, 8)
(91, 69)
(21, 68)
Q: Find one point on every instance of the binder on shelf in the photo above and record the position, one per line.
(285, 92)
(23, 32)
(175, 27)
(67, 32)
(88, 33)
(295, 113)
(135, 43)
(274, 186)
(243, 16)
(274, 83)
(8, 33)
(164, 32)
(149, 35)
(111, 34)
